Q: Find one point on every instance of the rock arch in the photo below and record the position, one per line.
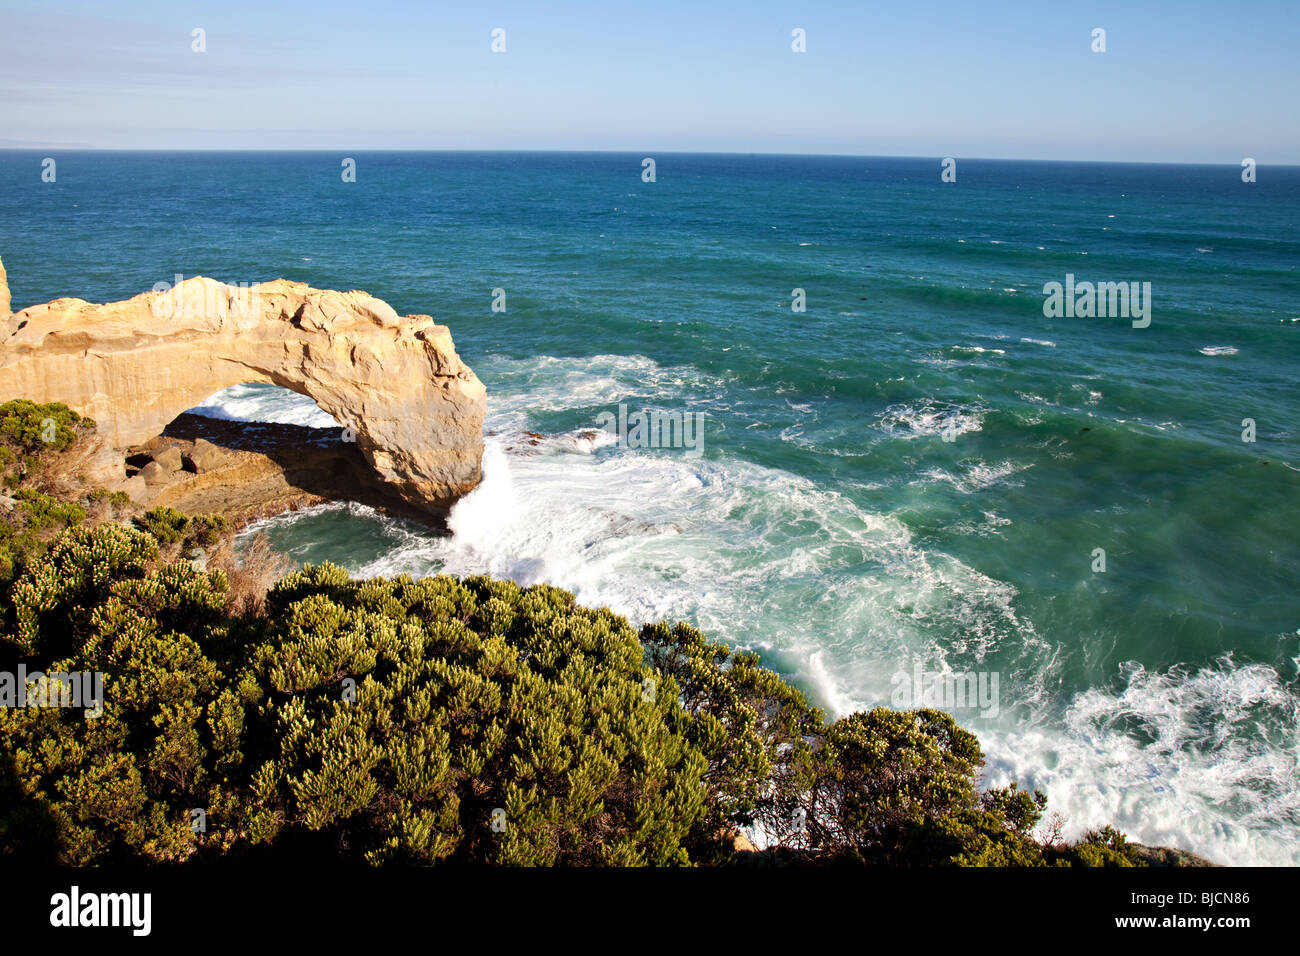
(133, 366)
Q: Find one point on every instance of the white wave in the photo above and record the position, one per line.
(977, 476)
(929, 417)
(821, 676)
(1200, 759)
(984, 528)
(256, 402)
(1218, 350)
(480, 518)
(1036, 399)
(543, 383)
(1044, 342)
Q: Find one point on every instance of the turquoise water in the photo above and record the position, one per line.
(828, 522)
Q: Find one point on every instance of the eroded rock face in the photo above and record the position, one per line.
(4, 292)
(395, 383)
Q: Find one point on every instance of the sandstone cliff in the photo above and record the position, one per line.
(395, 384)
(4, 292)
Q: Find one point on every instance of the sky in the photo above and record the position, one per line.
(1179, 81)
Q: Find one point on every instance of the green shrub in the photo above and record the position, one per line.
(117, 786)
(753, 728)
(31, 427)
(413, 715)
(1104, 847)
(169, 526)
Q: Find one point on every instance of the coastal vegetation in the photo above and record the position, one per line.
(261, 714)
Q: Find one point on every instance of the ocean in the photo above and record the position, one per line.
(921, 473)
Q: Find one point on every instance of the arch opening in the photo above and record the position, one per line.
(251, 449)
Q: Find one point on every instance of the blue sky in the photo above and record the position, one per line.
(1184, 81)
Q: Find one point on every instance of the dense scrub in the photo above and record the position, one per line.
(442, 721)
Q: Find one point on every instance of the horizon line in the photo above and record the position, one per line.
(670, 152)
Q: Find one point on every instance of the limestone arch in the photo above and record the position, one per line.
(134, 366)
